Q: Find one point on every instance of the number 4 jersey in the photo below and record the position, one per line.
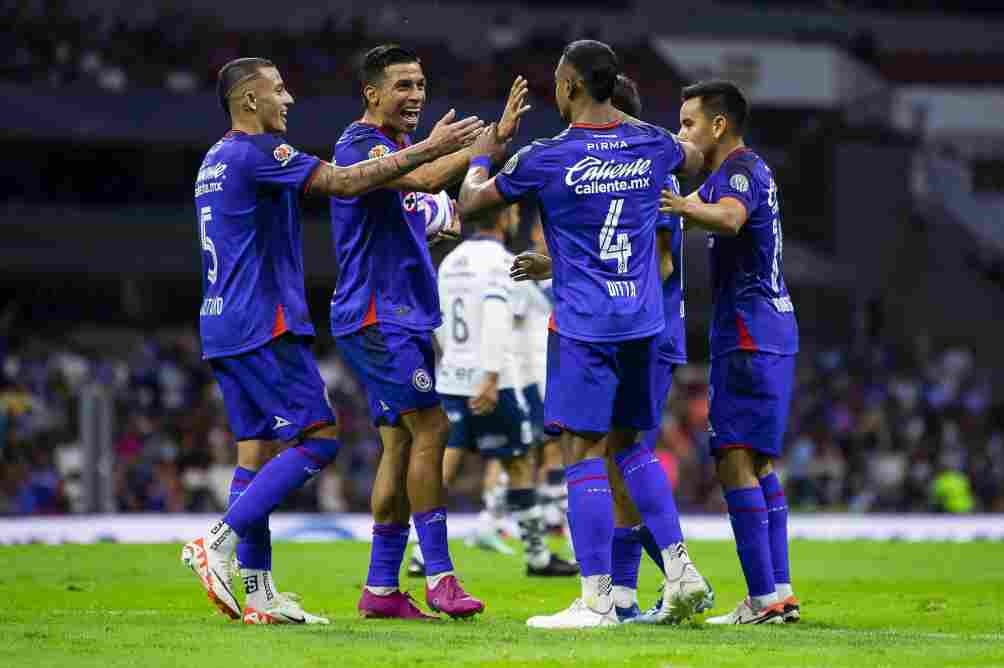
(598, 192)
(246, 201)
(752, 308)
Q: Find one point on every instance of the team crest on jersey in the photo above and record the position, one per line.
(740, 183)
(378, 151)
(410, 202)
(421, 380)
(283, 153)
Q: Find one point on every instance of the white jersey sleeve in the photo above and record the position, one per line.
(474, 274)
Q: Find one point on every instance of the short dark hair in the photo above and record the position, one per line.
(233, 73)
(380, 57)
(720, 98)
(626, 97)
(597, 64)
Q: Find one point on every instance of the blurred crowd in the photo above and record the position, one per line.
(883, 429)
(44, 43)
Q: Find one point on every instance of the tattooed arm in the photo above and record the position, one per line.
(447, 137)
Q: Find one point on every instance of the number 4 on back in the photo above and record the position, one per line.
(621, 250)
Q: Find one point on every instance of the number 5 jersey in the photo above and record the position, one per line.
(247, 208)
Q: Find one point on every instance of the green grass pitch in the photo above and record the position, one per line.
(865, 605)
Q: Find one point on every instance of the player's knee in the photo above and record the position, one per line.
(736, 470)
(763, 465)
(255, 454)
(520, 471)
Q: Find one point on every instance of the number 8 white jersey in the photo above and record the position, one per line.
(477, 334)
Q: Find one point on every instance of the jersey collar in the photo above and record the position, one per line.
(593, 126)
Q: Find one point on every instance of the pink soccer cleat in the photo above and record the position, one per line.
(450, 598)
(399, 605)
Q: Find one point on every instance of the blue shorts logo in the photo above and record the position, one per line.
(421, 380)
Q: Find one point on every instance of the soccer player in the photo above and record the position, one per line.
(533, 308)
(754, 340)
(254, 322)
(383, 314)
(597, 185)
(630, 535)
(477, 378)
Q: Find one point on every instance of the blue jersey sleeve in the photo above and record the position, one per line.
(737, 181)
(279, 164)
(524, 175)
(362, 146)
(669, 221)
(674, 153)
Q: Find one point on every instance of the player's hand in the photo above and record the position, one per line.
(530, 266)
(486, 398)
(449, 136)
(452, 230)
(671, 202)
(489, 144)
(515, 107)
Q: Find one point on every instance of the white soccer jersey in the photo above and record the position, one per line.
(477, 334)
(532, 308)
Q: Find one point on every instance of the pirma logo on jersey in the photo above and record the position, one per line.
(421, 380)
(283, 153)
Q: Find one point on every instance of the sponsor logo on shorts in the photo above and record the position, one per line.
(422, 380)
(383, 406)
(280, 422)
(283, 153)
(378, 151)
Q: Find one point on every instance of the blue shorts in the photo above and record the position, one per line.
(397, 368)
(535, 406)
(665, 381)
(592, 386)
(750, 397)
(273, 392)
(503, 434)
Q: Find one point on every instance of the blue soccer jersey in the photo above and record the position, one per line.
(673, 339)
(598, 192)
(246, 202)
(385, 273)
(752, 308)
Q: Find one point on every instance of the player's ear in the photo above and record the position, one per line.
(249, 101)
(719, 125)
(371, 94)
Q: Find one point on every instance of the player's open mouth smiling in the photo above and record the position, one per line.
(411, 115)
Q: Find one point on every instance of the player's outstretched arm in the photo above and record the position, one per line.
(530, 266)
(478, 193)
(450, 169)
(447, 137)
(725, 217)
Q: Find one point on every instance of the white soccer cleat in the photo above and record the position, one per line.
(746, 614)
(577, 616)
(489, 540)
(686, 596)
(283, 609)
(214, 570)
